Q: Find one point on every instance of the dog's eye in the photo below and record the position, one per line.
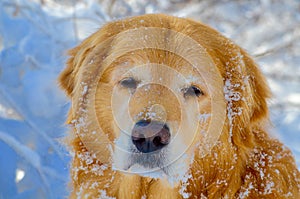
(129, 82)
(193, 91)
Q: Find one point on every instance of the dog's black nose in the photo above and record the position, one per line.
(149, 136)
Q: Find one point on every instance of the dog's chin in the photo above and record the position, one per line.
(154, 167)
(147, 172)
(140, 163)
(164, 174)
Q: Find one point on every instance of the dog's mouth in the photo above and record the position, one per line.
(159, 164)
(128, 159)
(155, 165)
(147, 163)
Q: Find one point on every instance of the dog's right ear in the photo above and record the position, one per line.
(67, 77)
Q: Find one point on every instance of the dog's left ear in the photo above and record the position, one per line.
(246, 93)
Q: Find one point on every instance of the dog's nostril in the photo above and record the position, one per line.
(138, 140)
(156, 141)
(149, 138)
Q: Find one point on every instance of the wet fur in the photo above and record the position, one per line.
(241, 168)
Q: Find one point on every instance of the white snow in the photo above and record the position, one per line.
(104, 196)
(203, 117)
(19, 175)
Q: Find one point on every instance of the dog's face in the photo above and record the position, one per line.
(161, 109)
(161, 104)
(152, 92)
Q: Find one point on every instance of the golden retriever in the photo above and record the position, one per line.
(167, 107)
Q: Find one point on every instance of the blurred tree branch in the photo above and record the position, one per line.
(274, 37)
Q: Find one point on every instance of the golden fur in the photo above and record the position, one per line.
(245, 163)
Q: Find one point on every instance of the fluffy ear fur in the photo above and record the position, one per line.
(246, 93)
(67, 78)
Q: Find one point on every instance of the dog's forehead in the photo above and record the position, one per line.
(149, 69)
(166, 47)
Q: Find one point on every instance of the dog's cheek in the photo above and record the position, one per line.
(103, 109)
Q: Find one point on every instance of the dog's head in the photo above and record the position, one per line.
(150, 93)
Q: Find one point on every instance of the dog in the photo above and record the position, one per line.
(167, 107)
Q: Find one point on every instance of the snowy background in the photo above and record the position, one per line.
(34, 37)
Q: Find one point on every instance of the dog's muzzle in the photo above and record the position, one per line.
(149, 136)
